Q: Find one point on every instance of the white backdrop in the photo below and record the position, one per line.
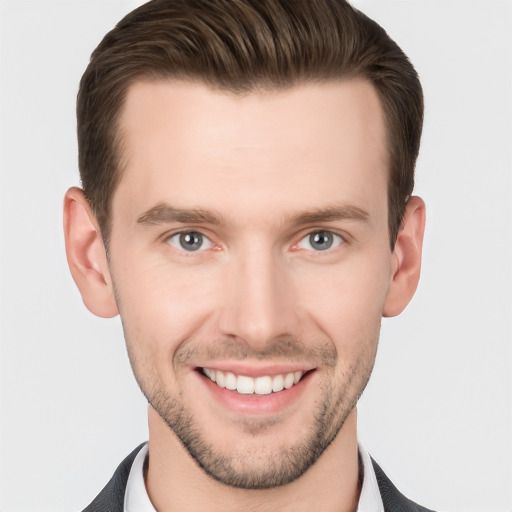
(437, 414)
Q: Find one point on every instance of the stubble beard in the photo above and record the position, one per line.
(241, 469)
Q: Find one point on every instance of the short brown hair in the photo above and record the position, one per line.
(240, 46)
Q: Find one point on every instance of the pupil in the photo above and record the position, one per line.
(321, 240)
(191, 241)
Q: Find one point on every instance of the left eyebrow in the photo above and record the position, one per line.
(329, 214)
(164, 213)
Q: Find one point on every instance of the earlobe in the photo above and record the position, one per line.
(406, 265)
(86, 255)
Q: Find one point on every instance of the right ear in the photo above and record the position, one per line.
(87, 258)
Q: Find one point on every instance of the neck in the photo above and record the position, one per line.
(175, 482)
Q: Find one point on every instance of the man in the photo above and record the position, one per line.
(247, 170)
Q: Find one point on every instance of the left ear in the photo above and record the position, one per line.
(406, 258)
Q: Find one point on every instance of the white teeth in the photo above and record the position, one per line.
(288, 380)
(277, 383)
(248, 386)
(263, 386)
(220, 379)
(245, 385)
(209, 373)
(231, 381)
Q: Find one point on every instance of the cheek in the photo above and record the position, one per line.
(162, 305)
(346, 301)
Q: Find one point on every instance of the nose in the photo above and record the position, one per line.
(259, 304)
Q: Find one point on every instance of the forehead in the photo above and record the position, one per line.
(185, 143)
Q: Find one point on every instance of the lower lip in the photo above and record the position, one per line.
(256, 404)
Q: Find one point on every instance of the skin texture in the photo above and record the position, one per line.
(254, 176)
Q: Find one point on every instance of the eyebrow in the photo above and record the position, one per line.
(165, 214)
(329, 214)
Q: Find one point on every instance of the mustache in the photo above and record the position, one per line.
(287, 349)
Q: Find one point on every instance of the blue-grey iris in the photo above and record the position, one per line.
(191, 241)
(321, 240)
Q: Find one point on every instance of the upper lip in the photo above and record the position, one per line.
(253, 370)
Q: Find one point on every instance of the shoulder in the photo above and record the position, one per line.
(111, 498)
(393, 499)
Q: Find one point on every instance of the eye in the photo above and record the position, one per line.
(190, 241)
(320, 241)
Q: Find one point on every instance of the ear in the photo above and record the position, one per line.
(87, 258)
(406, 258)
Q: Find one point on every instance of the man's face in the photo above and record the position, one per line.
(250, 243)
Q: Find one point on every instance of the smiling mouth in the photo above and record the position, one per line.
(244, 385)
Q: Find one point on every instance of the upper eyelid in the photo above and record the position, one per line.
(166, 240)
(179, 231)
(311, 232)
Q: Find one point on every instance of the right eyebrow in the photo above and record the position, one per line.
(330, 214)
(165, 214)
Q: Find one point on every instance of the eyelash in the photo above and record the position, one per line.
(336, 239)
(323, 233)
(180, 234)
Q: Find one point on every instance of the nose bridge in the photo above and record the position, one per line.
(259, 298)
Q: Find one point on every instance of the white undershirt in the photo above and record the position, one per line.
(136, 498)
